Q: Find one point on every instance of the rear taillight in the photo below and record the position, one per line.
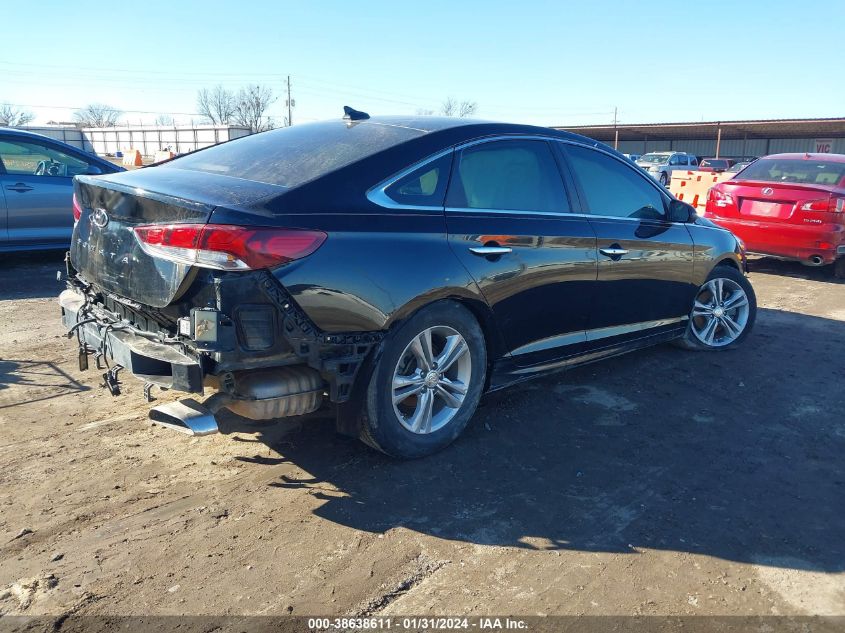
(825, 205)
(227, 247)
(77, 209)
(719, 197)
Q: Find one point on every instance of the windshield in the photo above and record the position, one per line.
(812, 172)
(655, 159)
(291, 156)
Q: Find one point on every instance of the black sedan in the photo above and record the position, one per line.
(396, 267)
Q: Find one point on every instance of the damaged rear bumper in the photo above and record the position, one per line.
(163, 364)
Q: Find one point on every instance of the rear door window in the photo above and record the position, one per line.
(508, 175)
(612, 188)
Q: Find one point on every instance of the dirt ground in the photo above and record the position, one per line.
(663, 482)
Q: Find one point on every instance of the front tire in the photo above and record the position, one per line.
(664, 179)
(723, 312)
(427, 383)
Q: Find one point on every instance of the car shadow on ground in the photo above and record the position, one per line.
(736, 455)
(31, 275)
(783, 268)
(42, 380)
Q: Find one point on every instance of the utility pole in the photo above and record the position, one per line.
(615, 129)
(290, 104)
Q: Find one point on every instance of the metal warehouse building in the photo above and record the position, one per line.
(731, 139)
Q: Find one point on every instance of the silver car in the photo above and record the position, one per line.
(660, 165)
(36, 189)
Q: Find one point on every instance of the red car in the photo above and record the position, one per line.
(787, 205)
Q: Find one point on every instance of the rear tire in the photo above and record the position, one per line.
(839, 268)
(427, 383)
(723, 312)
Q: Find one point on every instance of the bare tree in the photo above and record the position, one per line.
(449, 107)
(424, 112)
(453, 107)
(97, 115)
(10, 116)
(217, 104)
(251, 108)
(467, 108)
(165, 119)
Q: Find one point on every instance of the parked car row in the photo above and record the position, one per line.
(660, 165)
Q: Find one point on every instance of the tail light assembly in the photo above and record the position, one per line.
(77, 209)
(832, 204)
(227, 247)
(719, 197)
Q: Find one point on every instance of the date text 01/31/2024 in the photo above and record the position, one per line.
(417, 623)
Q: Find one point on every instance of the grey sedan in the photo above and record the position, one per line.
(36, 189)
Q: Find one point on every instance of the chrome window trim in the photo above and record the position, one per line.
(378, 193)
(558, 215)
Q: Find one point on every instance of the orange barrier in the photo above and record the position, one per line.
(132, 158)
(164, 155)
(692, 186)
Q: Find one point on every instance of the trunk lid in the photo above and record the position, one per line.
(104, 249)
(776, 202)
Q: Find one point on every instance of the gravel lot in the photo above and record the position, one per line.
(663, 482)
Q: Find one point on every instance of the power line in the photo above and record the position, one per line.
(308, 84)
(120, 110)
(290, 105)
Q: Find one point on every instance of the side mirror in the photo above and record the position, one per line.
(93, 170)
(680, 211)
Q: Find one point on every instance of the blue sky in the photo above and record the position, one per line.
(547, 63)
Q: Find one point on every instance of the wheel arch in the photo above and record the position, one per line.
(728, 261)
(476, 306)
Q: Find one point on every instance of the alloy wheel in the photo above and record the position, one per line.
(720, 312)
(431, 379)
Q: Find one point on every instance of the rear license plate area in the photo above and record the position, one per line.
(766, 209)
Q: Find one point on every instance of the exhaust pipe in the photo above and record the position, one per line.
(259, 395)
(816, 260)
(189, 416)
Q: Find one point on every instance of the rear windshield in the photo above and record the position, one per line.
(813, 172)
(721, 164)
(294, 155)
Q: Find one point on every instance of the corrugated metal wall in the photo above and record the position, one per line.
(70, 135)
(729, 147)
(146, 139)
